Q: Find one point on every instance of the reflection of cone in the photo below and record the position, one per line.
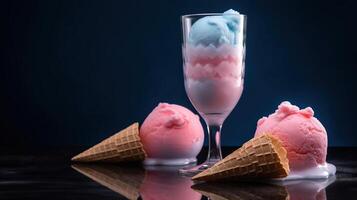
(262, 157)
(125, 181)
(241, 191)
(123, 146)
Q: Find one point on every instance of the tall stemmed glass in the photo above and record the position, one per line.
(213, 63)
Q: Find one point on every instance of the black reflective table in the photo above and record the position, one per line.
(46, 173)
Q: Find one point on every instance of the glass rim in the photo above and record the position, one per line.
(209, 14)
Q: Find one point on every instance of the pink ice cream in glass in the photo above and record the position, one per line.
(214, 79)
(304, 138)
(171, 135)
(213, 52)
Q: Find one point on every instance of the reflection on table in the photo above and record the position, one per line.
(277, 190)
(138, 183)
(123, 180)
(164, 183)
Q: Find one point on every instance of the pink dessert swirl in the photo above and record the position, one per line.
(214, 78)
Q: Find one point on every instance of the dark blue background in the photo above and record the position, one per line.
(74, 72)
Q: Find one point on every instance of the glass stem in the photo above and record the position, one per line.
(214, 143)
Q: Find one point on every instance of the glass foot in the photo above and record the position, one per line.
(192, 171)
(169, 162)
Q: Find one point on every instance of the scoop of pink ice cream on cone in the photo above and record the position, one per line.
(171, 135)
(302, 135)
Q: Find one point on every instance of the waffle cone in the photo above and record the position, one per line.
(125, 181)
(123, 146)
(260, 157)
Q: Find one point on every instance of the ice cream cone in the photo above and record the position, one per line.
(123, 146)
(260, 157)
(125, 181)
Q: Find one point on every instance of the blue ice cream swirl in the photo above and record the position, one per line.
(215, 30)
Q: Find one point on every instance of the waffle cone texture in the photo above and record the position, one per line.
(123, 146)
(260, 157)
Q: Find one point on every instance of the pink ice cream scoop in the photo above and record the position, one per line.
(171, 135)
(303, 136)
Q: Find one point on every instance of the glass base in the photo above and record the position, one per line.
(192, 171)
(169, 162)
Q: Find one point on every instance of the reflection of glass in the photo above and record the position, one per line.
(292, 190)
(214, 77)
(135, 183)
